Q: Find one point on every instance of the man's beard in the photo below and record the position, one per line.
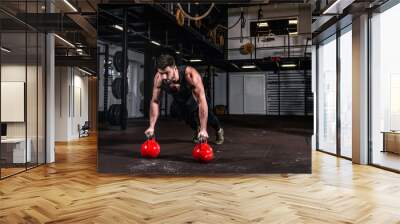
(169, 81)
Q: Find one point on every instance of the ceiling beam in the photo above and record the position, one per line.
(83, 61)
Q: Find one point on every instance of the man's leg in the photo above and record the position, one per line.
(192, 120)
(214, 123)
(212, 120)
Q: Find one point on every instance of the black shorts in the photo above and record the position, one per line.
(183, 109)
(189, 112)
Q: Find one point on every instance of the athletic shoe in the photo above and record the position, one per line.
(220, 137)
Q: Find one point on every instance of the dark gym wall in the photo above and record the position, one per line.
(149, 72)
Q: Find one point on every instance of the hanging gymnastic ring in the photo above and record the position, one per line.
(196, 17)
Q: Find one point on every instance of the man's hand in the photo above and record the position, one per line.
(195, 80)
(154, 105)
(149, 132)
(203, 134)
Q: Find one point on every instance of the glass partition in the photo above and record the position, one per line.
(41, 97)
(22, 87)
(346, 92)
(31, 97)
(385, 89)
(14, 153)
(327, 95)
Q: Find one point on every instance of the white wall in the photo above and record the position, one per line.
(62, 104)
(71, 102)
(80, 83)
(247, 93)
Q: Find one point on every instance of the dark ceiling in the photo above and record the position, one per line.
(148, 23)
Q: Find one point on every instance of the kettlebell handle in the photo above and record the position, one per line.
(149, 137)
(202, 139)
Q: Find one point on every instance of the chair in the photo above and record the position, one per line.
(84, 130)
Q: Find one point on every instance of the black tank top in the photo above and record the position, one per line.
(185, 90)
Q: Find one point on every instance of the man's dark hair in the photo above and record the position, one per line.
(164, 61)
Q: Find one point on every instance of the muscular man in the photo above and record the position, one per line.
(185, 85)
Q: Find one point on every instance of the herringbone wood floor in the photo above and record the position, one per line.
(71, 191)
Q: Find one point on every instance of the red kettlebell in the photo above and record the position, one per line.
(203, 152)
(150, 148)
(196, 152)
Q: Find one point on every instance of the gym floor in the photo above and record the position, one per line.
(253, 144)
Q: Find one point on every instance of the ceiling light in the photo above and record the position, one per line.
(118, 27)
(79, 50)
(177, 52)
(195, 60)
(293, 21)
(84, 71)
(65, 41)
(293, 33)
(262, 24)
(156, 43)
(288, 65)
(5, 50)
(70, 5)
(337, 6)
(248, 66)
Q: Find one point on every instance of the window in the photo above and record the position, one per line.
(385, 89)
(327, 95)
(346, 92)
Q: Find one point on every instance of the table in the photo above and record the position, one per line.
(13, 150)
(391, 141)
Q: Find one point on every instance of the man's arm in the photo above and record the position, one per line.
(154, 105)
(199, 93)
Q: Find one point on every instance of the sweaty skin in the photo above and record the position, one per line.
(170, 75)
